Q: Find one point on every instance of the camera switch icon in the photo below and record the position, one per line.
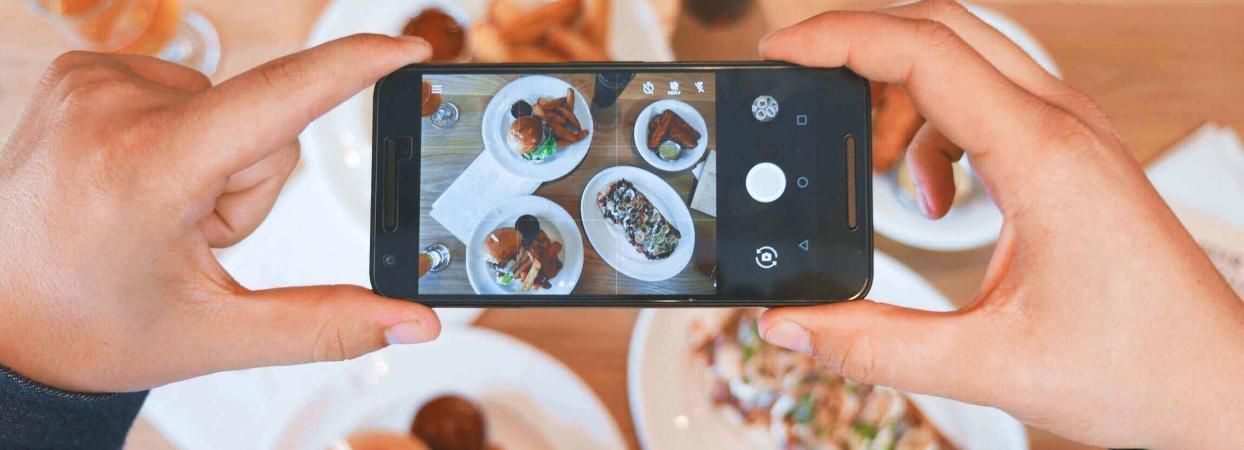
(766, 257)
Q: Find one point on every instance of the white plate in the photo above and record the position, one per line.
(670, 411)
(337, 146)
(556, 223)
(972, 223)
(688, 113)
(609, 240)
(530, 400)
(497, 120)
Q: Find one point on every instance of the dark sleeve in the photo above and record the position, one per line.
(35, 416)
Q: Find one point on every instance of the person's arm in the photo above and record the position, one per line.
(37, 416)
(1099, 317)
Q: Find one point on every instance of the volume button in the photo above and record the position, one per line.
(388, 210)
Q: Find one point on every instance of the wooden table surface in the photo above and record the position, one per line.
(1159, 68)
(448, 152)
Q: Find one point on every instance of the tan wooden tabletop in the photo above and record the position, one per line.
(448, 152)
(1159, 68)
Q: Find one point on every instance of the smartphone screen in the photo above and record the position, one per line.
(613, 184)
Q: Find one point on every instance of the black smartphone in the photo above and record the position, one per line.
(621, 184)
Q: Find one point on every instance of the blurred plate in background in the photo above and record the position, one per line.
(530, 400)
(671, 410)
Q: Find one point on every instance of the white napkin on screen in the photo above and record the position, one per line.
(481, 186)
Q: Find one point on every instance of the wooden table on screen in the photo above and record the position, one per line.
(448, 152)
(1158, 68)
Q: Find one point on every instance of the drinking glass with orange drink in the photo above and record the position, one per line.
(160, 28)
(434, 258)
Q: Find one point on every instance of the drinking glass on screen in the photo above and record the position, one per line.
(160, 28)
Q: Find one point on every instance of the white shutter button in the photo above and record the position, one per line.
(766, 182)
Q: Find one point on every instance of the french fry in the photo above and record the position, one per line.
(531, 275)
(531, 53)
(486, 43)
(596, 21)
(535, 24)
(506, 13)
(576, 46)
(568, 114)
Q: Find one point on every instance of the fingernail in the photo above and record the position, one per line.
(410, 332)
(764, 41)
(923, 201)
(423, 48)
(789, 335)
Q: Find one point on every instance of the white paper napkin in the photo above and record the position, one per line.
(1204, 172)
(481, 186)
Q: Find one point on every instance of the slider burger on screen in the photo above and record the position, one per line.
(525, 136)
(501, 251)
(539, 130)
(523, 254)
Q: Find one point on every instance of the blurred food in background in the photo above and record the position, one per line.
(800, 403)
(448, 422)
(442, 32)
(535, 31)
(161, 28)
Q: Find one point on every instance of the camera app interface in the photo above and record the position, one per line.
(569, 184)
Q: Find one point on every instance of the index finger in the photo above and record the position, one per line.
(1005, 128)
(251, 115)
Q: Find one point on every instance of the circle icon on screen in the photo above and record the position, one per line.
(765, 108)
(766, 257)
(765, 182)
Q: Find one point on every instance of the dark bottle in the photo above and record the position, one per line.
(718, 12)
(609, 85)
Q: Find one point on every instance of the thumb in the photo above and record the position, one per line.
(321, 323)
(874, 343)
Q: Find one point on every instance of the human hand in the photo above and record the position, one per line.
(1099, 317)
(123, 174)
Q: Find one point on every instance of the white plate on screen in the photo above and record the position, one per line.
(556, 223)
(497, 120)
(670, 411)
(337, 146)
(530, 400)
(689, 114)
(973, 222)
(609, 240)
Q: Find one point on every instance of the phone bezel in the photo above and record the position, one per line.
(863, 190)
